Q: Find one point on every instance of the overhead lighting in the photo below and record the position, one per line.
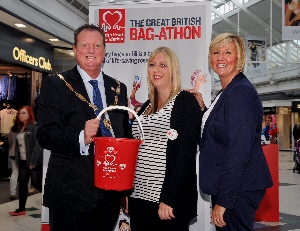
(20, 25)
(72, 53)
(29, 40)
(53, 39)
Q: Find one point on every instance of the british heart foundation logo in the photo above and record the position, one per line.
(113, 23)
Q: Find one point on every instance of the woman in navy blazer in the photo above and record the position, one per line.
(233, 168)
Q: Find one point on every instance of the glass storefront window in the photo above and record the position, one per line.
(63, 60)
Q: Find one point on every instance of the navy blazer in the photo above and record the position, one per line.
(62, 116)
(231, 156)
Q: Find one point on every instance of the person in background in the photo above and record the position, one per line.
(28, 156)
(13, 182)
(266, 130)
(296, 131)
(232, 165)
(274, 131)
(165, 186)
(12, 140)
(67, 108)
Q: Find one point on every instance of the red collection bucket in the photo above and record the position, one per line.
(115, 158)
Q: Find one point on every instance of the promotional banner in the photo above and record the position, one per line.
(290, 19)
(256, 52)
(134, 30)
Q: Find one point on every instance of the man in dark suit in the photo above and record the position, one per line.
(67, 123)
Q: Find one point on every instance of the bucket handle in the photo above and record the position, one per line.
(126, 109)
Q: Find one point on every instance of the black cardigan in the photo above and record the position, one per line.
(179, 189)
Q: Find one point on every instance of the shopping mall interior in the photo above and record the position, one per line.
(47, 31)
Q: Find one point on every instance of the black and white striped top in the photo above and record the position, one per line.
(151, 166)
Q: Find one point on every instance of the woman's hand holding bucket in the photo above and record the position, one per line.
(90, 130)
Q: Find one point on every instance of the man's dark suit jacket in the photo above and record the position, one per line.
(62, 116)
(231, 156)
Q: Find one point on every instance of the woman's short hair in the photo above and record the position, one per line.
(224, 39)
(174, 68)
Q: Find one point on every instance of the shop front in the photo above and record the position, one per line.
(24, 61)
(279, 119)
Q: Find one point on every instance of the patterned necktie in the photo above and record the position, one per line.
(98, 102)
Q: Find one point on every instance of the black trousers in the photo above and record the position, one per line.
(25, 173)
(103, 217)
(144, 217)
(242, 216)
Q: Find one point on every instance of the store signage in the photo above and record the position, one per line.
(22, 56)
(296, 106)
(269, 110)
(23, 49)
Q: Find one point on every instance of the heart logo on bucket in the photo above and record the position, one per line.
(110, 159)
(110, 149)
(122, 166)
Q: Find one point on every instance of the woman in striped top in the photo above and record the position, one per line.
(165, 189)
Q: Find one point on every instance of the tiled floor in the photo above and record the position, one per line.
(30, 222)
(289, 204)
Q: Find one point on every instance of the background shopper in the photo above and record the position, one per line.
(28, 155)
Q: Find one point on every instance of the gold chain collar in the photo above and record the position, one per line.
(106, 121)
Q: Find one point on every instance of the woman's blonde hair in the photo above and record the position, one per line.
(174, 68)
(223, 40)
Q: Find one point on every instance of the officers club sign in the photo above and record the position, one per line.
(20, 48)
(21, 55)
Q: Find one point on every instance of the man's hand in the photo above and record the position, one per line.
(90, 130)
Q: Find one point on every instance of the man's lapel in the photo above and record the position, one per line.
(78, 85)
(110, 90)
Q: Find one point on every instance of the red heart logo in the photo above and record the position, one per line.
(110, 159)
(112, 19)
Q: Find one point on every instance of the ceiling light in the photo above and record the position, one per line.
(72, 53)
(53, 39)
(20, 25)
